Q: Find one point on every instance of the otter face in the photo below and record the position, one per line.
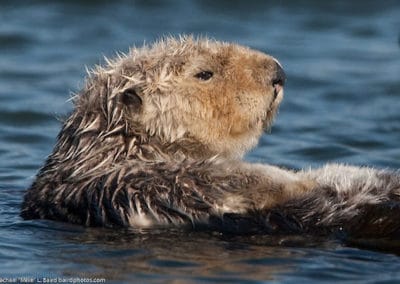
(217, 94)
(235, 93)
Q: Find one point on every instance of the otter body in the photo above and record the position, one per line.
(156, 139)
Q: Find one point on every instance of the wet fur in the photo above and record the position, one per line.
(147, 145)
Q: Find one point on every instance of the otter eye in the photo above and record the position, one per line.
(204, 75)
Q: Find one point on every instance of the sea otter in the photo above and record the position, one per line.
(157, 136)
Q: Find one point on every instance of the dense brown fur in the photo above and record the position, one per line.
(153, 141)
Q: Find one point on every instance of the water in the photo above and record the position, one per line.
(342, 105)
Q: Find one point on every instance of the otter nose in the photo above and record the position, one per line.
(279, 77)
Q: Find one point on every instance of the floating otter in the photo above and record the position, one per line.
(156, 139)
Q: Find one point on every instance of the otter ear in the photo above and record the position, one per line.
(131, 98)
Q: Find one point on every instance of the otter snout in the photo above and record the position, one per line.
(278, 81)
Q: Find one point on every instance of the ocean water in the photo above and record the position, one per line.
(342, 104)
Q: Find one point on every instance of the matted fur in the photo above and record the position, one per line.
(152, 143)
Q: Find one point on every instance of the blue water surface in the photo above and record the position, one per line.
(342, 104)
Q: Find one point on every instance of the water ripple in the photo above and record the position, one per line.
(23, 118)
(12, 40)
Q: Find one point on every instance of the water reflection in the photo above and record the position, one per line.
(187, 256)
(174, 254)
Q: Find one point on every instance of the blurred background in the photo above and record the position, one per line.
(342, 102)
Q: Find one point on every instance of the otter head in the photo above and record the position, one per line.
(218, 96)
